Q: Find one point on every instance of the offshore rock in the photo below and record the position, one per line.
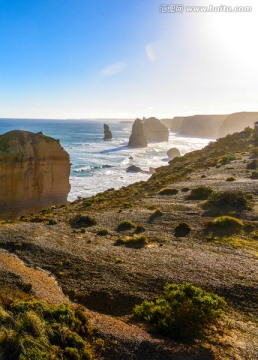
(154, 130)
(172, 153)
(107, 133)
(137, 138)
(34, 173)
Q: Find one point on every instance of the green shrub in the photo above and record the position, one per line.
(136, 241)
(36, 330)
(81, 221)
(52, 222)
(185, 189)
(168, 191)
(139, 229)
(102, 232)
(156, 214)
(253, 165)
(231, 178)
(125, 225)
(226, 200)
(225, 225)
(254, 175)
(183, 312)
(226, 159)
(128, 205)
(200, 193)
(182, 230)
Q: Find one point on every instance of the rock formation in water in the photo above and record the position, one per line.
(154, 130)
(137, 138)
(34, 173)
(173, 152)
(107, 133)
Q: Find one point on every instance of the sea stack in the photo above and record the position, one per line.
(107, 133)
(34, 172)
(172, 153)
(137, 138)
(154, 130)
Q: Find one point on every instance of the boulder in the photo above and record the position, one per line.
(34, 173)
(135, 169)
(107, 133)
(154, 130)
(173, 152)
(152, 170)
(137, 138)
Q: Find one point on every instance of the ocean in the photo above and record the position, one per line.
(98, 165)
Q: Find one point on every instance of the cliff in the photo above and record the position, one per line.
(107, 133)
(34, 173)
(137, 138)
(154, 130)
(237, 122)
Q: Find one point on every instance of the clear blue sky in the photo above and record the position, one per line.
(117, 58)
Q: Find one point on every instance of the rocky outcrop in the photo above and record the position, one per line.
(136, 169)
(173, 152)
(107, 133)
(137, 138)
(154, 130)
(34, 173)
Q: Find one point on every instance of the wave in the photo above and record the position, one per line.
(90, 168)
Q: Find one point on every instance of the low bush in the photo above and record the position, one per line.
(225, 225)
(182, 230)
(185, 189)
(254, 175)
(36, 330)
(102, 232)
(136, 241)
(227, 200)
(231, 178)
(200, 193)
(168, 191)
(156, 214)
(252, 165)
(125, 225)
(183, 312)
(81, 221)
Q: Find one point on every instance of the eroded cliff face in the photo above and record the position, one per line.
(34, 173)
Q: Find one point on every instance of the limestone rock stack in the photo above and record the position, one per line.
(34, 173)
(154, 130)
(107, 133)
(137, 138)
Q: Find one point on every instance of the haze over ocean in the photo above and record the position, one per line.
(98, 165)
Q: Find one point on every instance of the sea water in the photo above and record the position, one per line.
(98, 165)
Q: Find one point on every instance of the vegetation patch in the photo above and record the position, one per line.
(183, 312)
(200, 193)
(227, 200)
(252, 165)
(231, 178)
(82, 221)
(254, 175)
(225, 225)
(182, 230)
(103, 232)
(126, 225)
(156, 214)
(168, 191)
(36, 330)
(135, 242)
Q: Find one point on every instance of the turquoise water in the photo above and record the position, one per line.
(98, 165)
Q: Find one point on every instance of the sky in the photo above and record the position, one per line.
(126, 59)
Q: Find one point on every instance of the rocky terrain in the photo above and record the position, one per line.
(98, 262)
(34, 172)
